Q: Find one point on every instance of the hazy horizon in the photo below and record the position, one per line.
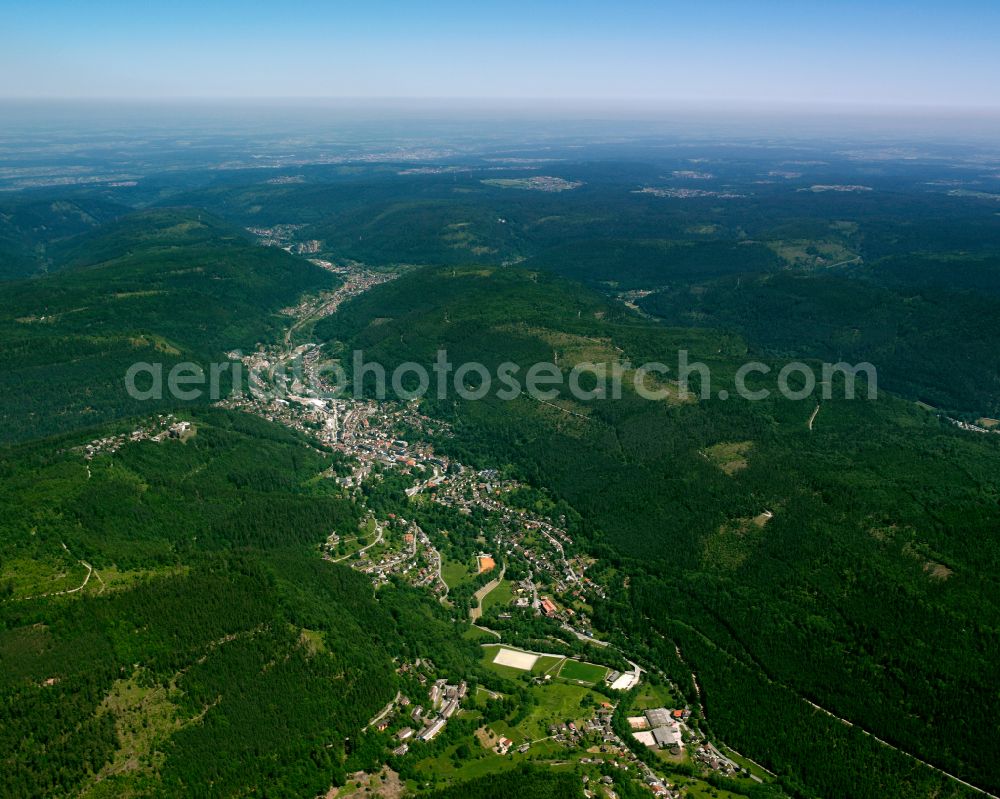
(900, 55)
(319, 119)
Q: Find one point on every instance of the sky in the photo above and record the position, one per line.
(879, 53)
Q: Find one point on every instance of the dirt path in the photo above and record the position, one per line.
(477, 611)
(90, 572)
(494, 633)
(812, 418)
(888, 745)
(363, 549)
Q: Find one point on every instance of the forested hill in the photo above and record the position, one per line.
(165, 285)
(210, 645)
(33, 227)
(930, 325)
(752, 538)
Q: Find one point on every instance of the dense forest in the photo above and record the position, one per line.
(32, 229)
(932, 338)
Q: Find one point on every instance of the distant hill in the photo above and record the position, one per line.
(171, 285)
(626, 264)
(31, 228)
(932, 333)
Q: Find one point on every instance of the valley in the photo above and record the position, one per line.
(302, 584)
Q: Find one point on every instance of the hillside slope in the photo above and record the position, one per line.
(168, 285)
(740, 525)
(207, 649)
(33, 227)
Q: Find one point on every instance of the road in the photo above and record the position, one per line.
(437, 554)
(384, 711)
(536, 602)
(363, 549)
(871, 735)
(583, 636)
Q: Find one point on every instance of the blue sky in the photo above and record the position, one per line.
(715, 52)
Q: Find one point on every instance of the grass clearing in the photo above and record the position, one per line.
(144, 719)
(454, 573)
(471, 633)
(312, 640)
(650, 696)
(555, 703)
(730, 456)
(804, 253)
(28, 577)
(579, 671)
(501, 596)
(699, 789)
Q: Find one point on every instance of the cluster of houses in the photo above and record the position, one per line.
(715, 760)
(163, 428)
(504, 745)
(656, 785)
(599, 726)
(985, 425)
(444, 701)
(418, 561)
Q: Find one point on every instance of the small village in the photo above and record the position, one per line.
(165, 426)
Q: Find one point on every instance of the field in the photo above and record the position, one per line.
(730, 456)
(27, 577)
(650, 696)
(542, 664)
(812, 254)
(507, 660)
(702, 790)
(578, 671)
(514, 659)
(555, 703)
(499, 596)
(454, 573)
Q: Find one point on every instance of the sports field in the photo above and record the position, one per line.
(578, 671)
(517, 660)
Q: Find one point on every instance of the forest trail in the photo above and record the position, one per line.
(812, 418)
